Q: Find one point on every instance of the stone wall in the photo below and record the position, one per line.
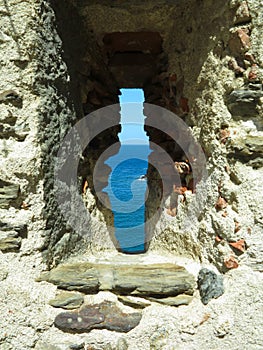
(57, 67)
(218, 92)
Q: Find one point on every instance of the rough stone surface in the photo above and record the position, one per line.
(210, 285)
(142, 280)
(80, 277)
(136, 303)
(10, 244)
(105, 315)
(8, 194)
(54, 69)
(182, 299)
(67, 300)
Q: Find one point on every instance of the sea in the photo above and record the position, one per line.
(127, 191)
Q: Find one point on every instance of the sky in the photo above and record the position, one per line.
(132, 118)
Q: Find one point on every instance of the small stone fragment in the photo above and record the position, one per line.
(8, 95)
(171, 212)
(221, 203)
(205, 318)
(243, 103)
(136, 303)
(239, 245)
(222, 328)
(45, 346)
(253, 73)
(231, 262)
(242, 14)
(250, 57)
(25, 206)
(184, 104)
(8, 193)
(218, 239)
(239, 41)
(235, 66)
(77, 346)
(224, 134)
(10, 244)
(100, 316)
(237, 226)
(182, 299)
(210, 285)
(67, 300)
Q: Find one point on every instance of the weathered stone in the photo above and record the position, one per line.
(255, 86)
(10, 244)
(243, 103)
(182, 299)
(45, 346)
(64, 44)
(105, 315)
(248, 149)
(224, 226)
(8, 193)
(141, 280)
(8, 234)
(239, 41)
(80, 277)
(134, 302)
(210, 285)
(13, 229)
(152, 280)
(67, 300)
(231, 262)
(242, 14)
(77, 346)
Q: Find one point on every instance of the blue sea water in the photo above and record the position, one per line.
(127, 192)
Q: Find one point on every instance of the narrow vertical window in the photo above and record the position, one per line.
(127, 187)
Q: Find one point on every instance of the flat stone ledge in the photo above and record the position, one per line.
(150, 280)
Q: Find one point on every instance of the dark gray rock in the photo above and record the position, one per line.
(255, 86)
(210, 285)
(243, 103)
(100, 316)
(77, 346)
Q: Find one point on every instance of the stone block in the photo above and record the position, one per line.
(9, 192)
(156, 280)
(239, 41)
(10, 244)
(67, 300)
(99, 316)
(243, 103)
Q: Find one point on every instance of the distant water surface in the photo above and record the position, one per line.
(127, 190)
